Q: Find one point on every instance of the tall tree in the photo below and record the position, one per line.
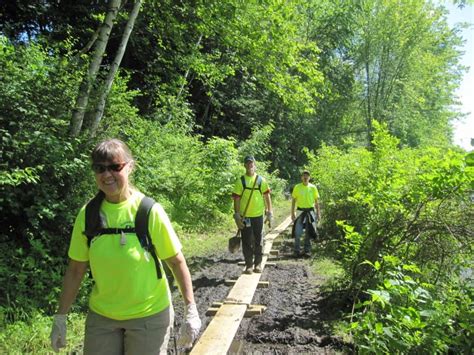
(401, 46)
(104, 92)
(94, 66)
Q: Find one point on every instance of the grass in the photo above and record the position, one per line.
(32, 337)
(326, 267)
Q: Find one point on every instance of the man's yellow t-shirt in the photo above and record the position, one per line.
(257, 205)
(126, 285)
(305, 195)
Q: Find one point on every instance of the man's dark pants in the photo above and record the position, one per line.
(252, 241)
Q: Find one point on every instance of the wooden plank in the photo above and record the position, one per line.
(244, 289)
(242, 263)
(235, 347)
(261, 284)
(220, 332)
(252, 310)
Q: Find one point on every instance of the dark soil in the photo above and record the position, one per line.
(298, 315)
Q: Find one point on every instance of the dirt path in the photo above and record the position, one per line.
(297, 318)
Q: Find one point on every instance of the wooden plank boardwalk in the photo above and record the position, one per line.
(219, 334)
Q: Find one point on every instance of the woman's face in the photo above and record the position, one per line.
(112, 178)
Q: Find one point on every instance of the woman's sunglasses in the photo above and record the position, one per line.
(101, 168)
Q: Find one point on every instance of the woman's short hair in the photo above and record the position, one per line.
(109, 149)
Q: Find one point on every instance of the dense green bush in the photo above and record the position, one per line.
(409, 205)
(40, 177)
(405, 314)
(404, 201)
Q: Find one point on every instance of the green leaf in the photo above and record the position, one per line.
(379, 327)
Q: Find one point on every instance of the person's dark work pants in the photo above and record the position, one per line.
(252, 241)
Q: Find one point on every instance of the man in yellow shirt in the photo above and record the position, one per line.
(305, 199)
(252, 199)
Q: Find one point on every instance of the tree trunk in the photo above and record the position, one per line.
(99, 111)
(86, 84)
(369, 109)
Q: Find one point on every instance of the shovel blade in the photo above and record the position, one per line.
(234, 244)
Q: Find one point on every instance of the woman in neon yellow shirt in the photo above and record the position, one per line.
(130, 308)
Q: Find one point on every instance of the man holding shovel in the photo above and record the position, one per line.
(252, 200)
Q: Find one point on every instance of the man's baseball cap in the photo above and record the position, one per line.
(248, 158)
(305, 172)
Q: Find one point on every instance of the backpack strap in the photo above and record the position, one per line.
(94, 222)
(141, 229)
(258, 181)
(95, 225)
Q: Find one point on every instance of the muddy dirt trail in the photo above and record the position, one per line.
(298, 317)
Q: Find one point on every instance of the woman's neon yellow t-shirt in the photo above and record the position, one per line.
(257, 205)
(305, 195)
(126, 285)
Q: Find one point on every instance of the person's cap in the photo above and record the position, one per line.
(248, 158)
(305, 172)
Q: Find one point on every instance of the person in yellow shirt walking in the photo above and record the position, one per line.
(252, 200)
(130, 309)
(305, 197)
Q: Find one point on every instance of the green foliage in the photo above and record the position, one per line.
(410, 200)
(404, 314)
(398, 208)
(192, 179)
(407, 77)
(40, 172)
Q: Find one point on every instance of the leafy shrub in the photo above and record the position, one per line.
(406, 315)
(40, 178)
(389, 209)
(407, 202)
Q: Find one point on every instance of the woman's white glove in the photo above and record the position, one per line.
(58, 332)
(192, 325)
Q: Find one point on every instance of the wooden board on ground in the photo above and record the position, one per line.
(219, 334)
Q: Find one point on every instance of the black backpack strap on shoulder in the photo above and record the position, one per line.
(258, 181)
(92, 217)
(141, 229)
